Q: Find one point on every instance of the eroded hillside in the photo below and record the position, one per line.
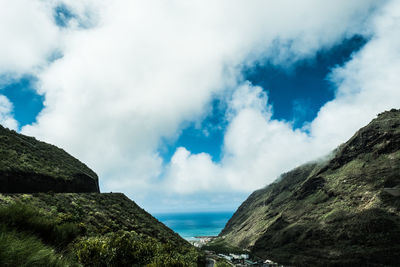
(336, 212)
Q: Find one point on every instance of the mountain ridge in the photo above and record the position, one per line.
(334, 212)
(31, 166)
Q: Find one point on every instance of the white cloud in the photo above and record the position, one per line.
(257, 149)
(6, 118)
(191, 173)
(28, 36)
(144, 68)
(368, 84)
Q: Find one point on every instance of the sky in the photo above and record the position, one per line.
(192, 105)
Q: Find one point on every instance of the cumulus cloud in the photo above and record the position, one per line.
(191, 173)
(366, 85)
(134, 72)
(257, 149)
(28, 35)
(6, 118)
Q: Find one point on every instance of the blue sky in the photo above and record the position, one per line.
(182, 108)
(296, 94)
(27, 103)
(62, 15)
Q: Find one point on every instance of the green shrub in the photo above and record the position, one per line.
(25, 218)
(117, 249)
(131, 249)
(21, 249)
(41, 236)
(65, 233)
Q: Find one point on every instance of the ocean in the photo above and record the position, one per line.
(190, 225)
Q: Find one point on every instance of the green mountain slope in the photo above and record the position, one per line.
(98, 213)
(87, 229)
(28, 166)
(337, 212)
(40, 227)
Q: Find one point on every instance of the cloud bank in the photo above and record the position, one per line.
(130, 74)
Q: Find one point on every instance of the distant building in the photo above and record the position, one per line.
(226, 257)
(239, 257)
(269, 263)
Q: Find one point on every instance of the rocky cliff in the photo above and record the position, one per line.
(343, 211)
(28, 166)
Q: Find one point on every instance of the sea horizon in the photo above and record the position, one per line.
(190, 225)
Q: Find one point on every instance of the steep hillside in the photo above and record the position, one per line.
(343, 211)
(28, 166)
(88, 229)
(40, 227)
(99, 213)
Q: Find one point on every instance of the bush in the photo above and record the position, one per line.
(117, 249)
(25, 218)
(30, 237)
(130, 249)
(21, 249)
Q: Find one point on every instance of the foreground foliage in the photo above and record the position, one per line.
(51, 227)
(132, 249)
(30, 236)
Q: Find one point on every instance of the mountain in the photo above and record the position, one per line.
(341, 211)
(52, 214)
(29, 166)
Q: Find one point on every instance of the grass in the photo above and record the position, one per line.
(25, 218)
(28, 237)
(22, 249)
(132, 249)
(222, 263)
(79, 225)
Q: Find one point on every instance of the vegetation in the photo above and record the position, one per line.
(222, 263)
(98, 213)
(21, 217)
(23, 249)
(131, 249)
(44, 228)
(33, 237)
(221, 247)
(28, 238)
(329, 213)
(27, 161)
(74, 229)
